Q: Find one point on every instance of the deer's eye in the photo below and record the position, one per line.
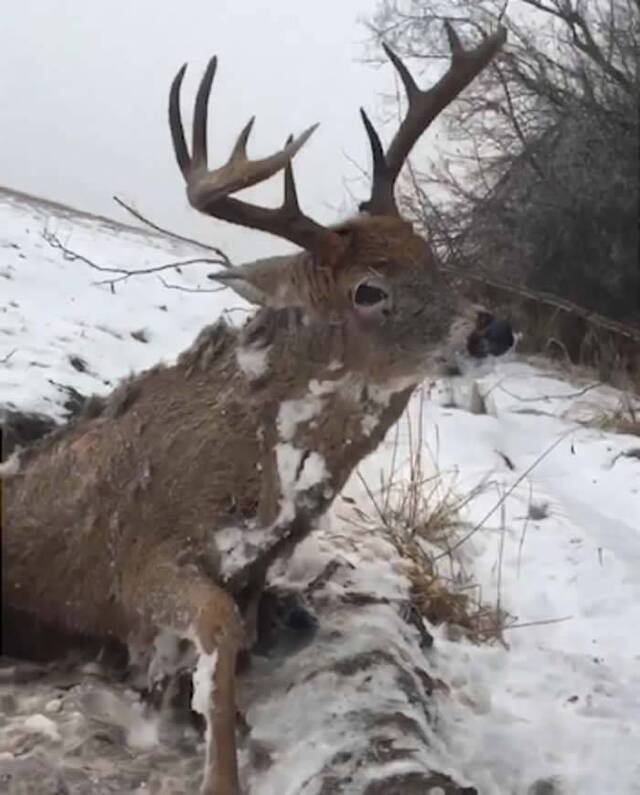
(367, 294)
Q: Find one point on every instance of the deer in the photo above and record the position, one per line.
(152, 519)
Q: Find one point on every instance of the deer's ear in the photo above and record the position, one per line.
(265, 282)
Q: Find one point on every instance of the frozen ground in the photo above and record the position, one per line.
(558, 711)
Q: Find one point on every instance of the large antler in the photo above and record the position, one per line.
(209, 191)
(423, 108)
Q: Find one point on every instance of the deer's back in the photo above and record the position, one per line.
(174, 456)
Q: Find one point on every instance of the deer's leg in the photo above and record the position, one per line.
(218, 633)
(192, 606)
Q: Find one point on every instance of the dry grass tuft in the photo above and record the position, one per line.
(623, 419)
(421, 512)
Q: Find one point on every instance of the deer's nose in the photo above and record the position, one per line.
(499, 337)
(494, 339)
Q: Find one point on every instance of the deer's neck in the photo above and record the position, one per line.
(314, 429)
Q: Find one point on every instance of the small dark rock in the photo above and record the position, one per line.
(284, 624)
(538, 511)
(141, 335)
(417, 784)
(410, 613)
(78, 363)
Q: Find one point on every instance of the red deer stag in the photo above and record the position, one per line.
(159, 515)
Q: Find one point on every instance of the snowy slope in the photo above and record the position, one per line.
(53, 309)
(564, 700)
(558, 543)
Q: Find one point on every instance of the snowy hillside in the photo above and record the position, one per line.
(367, 706)
(53, 312)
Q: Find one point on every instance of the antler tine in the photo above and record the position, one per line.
(201, 113)
(290, 190)
(382, 185)
(210, 190)
(424, 107)
(175, 123)
(239, 151)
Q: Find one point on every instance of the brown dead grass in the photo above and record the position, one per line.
(422, 515)
(623, 419)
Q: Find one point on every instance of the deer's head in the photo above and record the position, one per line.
(372, 275)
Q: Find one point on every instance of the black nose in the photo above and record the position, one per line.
(491, 338)
(499, 337)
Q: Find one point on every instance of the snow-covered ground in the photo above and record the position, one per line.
(557, 544)
(53, 312)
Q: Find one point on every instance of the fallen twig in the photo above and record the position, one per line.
(6, 358)
(184, 289)
(226, 262)
(125, 273)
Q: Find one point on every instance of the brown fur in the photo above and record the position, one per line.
(112, 526)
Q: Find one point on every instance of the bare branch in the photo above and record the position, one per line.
(123, 274)
(174, 235)
(578, 26)
(535, 191)
(184, 289)
(6, 358)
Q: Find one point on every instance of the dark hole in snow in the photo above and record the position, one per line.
(547, 786)
(142, 335)
(75, 402)
(78, 363)
(284, 625)
(506, 460)
(538, 511)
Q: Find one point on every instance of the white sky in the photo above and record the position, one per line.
(84, 101)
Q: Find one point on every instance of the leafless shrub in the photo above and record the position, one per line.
(546, 140)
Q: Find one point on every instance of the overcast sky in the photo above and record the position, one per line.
(84, 100)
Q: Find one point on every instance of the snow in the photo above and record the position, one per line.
(239, 546)
(298, 471)
(42, 725)
(142, 731)
(52, 310)
(252, 361)
(201, 700)
(294, 412)
(561, 702)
